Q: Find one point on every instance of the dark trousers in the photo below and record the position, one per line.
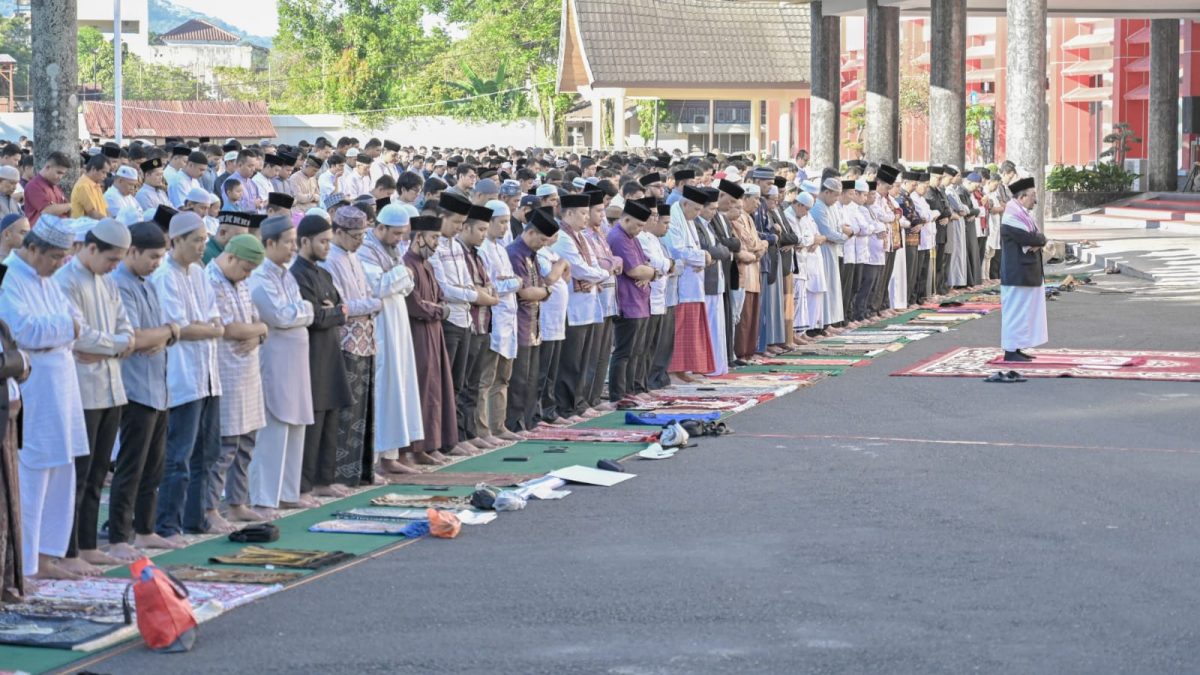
(548, 358)
(467, 395)
(522, 390)
(728, 308)
(994, 268)
(879, 295)
(90, 470)
(862, 297)
(599, 365)
(663, 352)
(629, 338)
(458, 350)
(138, 471)
(643, 356)
(914, 273)
(918, 293)
(939, 281)
(974, 259)
(851, 276)
(193, 448)
(320, 450)
(572, 366)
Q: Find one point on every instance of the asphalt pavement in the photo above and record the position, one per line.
(868, 524)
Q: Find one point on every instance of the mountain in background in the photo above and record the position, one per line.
(165, 15)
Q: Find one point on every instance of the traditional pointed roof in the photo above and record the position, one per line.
(199, 30)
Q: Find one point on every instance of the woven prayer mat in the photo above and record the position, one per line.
(233, 576)
(110, 590)
(748, 384)
(831, 371)
(52, 632)
(812, 360)
(1085, 363)
(582, 435)
(537, 458)
(935, 317)
(393, 499)
(865, 337)
(460, 474)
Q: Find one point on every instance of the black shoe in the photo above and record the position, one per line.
(1027, 356)
(1016, 357)
(739, 363)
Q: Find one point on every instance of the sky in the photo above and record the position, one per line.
(257, 17)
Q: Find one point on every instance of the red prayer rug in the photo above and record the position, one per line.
(1088, 363)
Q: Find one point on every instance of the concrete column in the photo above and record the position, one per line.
(712, 126)
(947, 81)
(1025, 94)
(785, 131)
(825, 41)
(883, 83)
(53, 81)
(1164, 105)
(755, 127)
(597, 123)
(619, 122)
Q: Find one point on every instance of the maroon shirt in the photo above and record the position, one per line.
(633, 301)
(39, 194)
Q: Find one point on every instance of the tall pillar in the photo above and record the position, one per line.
(825, 41)
(53, 81)
(947, 81)
(1164, 105)
(1025, 90)
(619, 122)
(755, 127)
(597, 123)
(883, 82)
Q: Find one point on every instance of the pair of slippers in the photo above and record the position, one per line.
(703, 428)
(1005, 376)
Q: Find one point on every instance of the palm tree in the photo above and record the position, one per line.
(496, 89)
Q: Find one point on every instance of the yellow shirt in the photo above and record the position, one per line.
(87, 195)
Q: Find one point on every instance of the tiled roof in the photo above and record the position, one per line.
(198, 30)
(188, 119)
(693, 43)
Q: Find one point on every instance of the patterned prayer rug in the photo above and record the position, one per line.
(1088, 363)
(109, 590)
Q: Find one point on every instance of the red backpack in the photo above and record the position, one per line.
(164, 615)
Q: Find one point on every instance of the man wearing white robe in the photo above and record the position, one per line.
(397, 396)
(1022, 294)
(45, 325)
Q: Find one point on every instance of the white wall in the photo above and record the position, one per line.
(416, 131)
(200, 59)
(135, 20)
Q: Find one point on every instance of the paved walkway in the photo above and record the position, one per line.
(868, 524)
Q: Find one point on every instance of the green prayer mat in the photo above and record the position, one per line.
(540, 461)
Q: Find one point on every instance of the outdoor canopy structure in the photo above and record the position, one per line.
(696, 50)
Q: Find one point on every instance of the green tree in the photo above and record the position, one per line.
(1119, 143)
(141, 81)
(354, 56)
(14, 41)
(648, 120)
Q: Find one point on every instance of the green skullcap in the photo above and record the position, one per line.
(246, 247)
